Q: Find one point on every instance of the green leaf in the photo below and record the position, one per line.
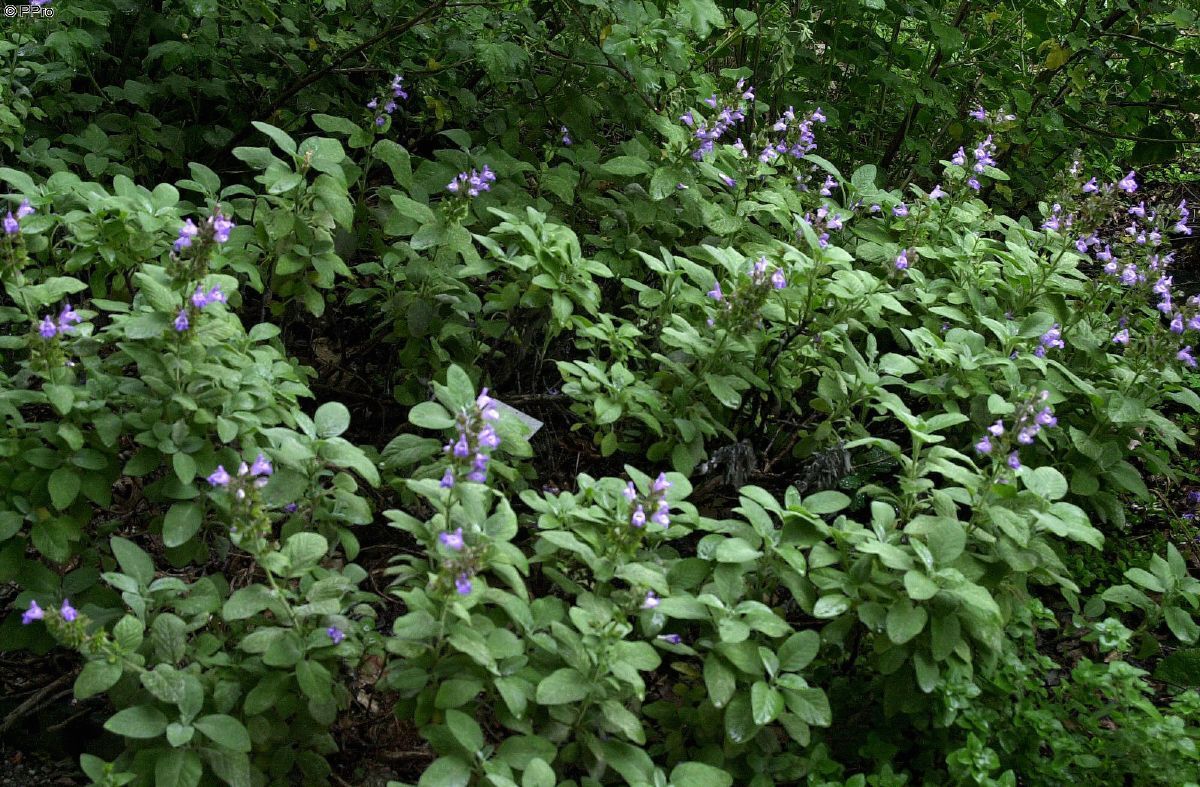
(827, 502)
(719, 680)
(224, 730)
(281, 138)
(1182, 625)
(304, 550)
(561, 687)
(766, 703)
(177, 768)
(430, 415)
(331, 419)
(626, 165)
(465, 730)
(697, 774)
(799, 650)
(141, 721)
(133, 560)
(905, 621)
(96, 677)
(1045, 482)
(181, 523)
(446, 772)
(314, 680)
(64, 487)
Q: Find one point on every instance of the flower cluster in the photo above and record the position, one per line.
(656, 503)
(461, 566)
(199, 300)
(256, 473)
(743, 304)
(48, 328)
(66, 612)
(215, 228)
(984, 157)
(389, 107)
(732, 111)
(1050, 340)
(983, 116)
(12, 223)
(796, 137)
(471, 184)
(477, 438)
(1030, 418)
(823, 222)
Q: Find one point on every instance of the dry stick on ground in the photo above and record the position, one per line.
(31, 704)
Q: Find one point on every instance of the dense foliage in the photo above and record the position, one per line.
(682, 393)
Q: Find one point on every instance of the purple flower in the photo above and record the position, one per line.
(33, 613)
(1046, 418)
(291, 508)
(827, 186)
(11, 225)
(1185, 355)
(566, 136)
(997, 428)
(219, 477)
(662, 516)
(661, 484)
(715, 293)
(335, 634)
(452, 540)
(902, 260)
(1090, 187)
(959, 158)
(67, 611)
(261, 466)
(488, 437)
(778, 280)
(47, 328)
(1014, 461)
(1122, 337)
(630, 491)
(68, 317)
(1026, 435)
(187, 232)
(221, 226)
(181, 321)
(461, 448)
(979, 113)
(1128, 184)
(397, 87)
(728, 181)
(379, 121)
(638, 519)
(199, 297)
(900, 210)
(1177, 324)
(937, 192)
(373, 103)
(687, 119)
(671, 639)
(651, 601)
(973, 183)
(1052, 339)
(25, 209)
(447, 479)
(984, 446)
(463, 584)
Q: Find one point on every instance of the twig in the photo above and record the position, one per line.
(29, 705)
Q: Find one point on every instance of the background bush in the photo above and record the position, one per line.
(678, 393)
